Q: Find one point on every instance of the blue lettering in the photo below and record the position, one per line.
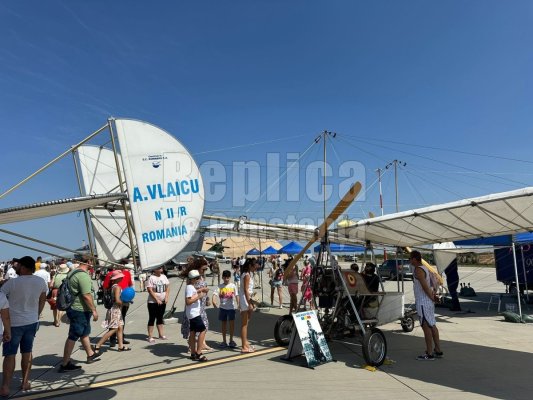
(178, 192)
(160, 191)
(195, 186)
(184, 188)
(151, 191)
(182, 211)
(152, 236)
(145, 238)
(160, 234)
(158, 215)
(183, 230)
(170, 190)
(137, 195)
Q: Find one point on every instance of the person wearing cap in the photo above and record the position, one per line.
(27, 297)
(79, 314)
(60, 275)
(193, 299)
(113, 321)
(200, 265)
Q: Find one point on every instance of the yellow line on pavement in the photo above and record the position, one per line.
(148, 375)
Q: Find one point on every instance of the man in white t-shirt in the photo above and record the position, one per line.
(192, 311)
(27, 296)
(44, 274)
(10, 273)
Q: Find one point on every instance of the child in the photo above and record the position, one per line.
(276, 282)
(192, 311)
(245, 302)
(227, 294)
(113, 320)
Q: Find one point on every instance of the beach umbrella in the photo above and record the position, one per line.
(253, 252)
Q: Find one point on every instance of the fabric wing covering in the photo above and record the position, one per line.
(55, 207)
(481, 217)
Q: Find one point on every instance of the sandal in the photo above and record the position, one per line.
(150, 340)
(201, 358)
(194, 356)
(96, 349)
(249, 350)
(163, 337)
(124, 348)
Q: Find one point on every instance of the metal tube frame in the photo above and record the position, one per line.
(85, 214)
(92, 135)
(517, 281)
(121, 184)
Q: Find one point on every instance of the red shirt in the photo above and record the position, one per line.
(124, 283)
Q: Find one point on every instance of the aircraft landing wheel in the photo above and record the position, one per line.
(408, 323)
(283, 330)
(374, 347)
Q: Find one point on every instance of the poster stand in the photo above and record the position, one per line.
(308, 339)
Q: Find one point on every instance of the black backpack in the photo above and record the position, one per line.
(109, 300)
(65, 296)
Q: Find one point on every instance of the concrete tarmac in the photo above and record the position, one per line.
(484, 358)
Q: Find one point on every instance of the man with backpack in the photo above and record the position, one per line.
(79, 314)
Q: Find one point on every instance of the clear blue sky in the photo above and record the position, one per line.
(235, 80)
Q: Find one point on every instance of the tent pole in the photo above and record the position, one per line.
(59, 157)
(85, 216)
(517, 281)
(524, 270)
(121, 184)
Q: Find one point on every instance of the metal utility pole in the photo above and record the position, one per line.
(395, 164)
(324, 135)
(380, 191)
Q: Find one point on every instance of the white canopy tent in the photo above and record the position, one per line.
(480, 217)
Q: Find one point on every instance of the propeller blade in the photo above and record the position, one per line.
(339, 209)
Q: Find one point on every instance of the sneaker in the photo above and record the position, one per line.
(438, 354)
(68, 367)
(232, 344)
(95, 357)
(426, 357)
(222, 345)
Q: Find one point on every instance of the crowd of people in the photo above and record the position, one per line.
(28, 284)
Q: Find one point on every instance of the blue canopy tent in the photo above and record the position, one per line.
(291, 248)
(269, 251)
(253, 252)
(341, 248)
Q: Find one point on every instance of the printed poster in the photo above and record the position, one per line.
(312, 338)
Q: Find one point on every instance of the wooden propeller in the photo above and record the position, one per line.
(339, 209)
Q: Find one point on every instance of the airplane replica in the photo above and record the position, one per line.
(144, 197)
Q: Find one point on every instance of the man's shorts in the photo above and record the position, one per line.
(23, 336)
(426, 313)
(226, 315)
(196, 324)
(80, 323)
